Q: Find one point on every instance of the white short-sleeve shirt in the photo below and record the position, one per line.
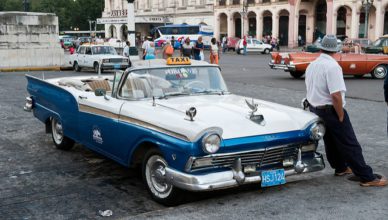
(324, 77)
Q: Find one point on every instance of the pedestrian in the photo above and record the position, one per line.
(245, 45)
(173, 42)
(126, 52)
(198, 49)
(214, 55)
(168, 50)
(326, 96)
(224, 43)
(71, 49)
(150, 52)
(187, 49)
(386, 96)
(145, 46)
(299, 40)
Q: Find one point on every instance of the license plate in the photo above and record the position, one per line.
(117, 66)
(272, 177)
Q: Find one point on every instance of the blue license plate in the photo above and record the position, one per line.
(117, 66)
(272, 177)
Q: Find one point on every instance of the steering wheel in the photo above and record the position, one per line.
(201, 84)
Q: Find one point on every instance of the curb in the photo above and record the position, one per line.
(23, 69)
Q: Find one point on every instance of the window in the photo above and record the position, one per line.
(184, 3)
(222, 2)
(81, 50)
(266, 1)
(236, 2)
(88, 51)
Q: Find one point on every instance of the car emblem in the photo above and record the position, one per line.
(191, 113)
(257, 118)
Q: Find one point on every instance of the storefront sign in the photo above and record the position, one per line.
(112, 20)
(152, 20)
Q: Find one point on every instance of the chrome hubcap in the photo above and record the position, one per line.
(380, 72)
(57, 131)
(156, 176)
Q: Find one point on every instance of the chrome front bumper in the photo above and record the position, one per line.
(231, 178)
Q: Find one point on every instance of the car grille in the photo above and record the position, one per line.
(260, 158)
(116, 60)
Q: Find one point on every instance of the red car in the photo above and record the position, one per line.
(232, 41)
(357, 64)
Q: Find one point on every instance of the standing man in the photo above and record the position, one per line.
(145, 46)
(126, 52)
(224, 43)
(326, 96)
(245, 45)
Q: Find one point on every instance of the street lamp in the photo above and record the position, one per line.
(367, 4)
(90, 26)
(244, 13)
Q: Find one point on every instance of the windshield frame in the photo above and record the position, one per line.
(123, 78)
(110, 49)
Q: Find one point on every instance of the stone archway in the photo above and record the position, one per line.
(385, 30)
(343, 21)
(252, 24)
(267, 23)
(112, 31)
(320, 19)
(302, 27)
(223, 19)
(237, 24)
(124, 32)
(283, 27)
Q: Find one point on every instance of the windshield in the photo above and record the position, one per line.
(377, 43)
(104, 50)
(174, 81)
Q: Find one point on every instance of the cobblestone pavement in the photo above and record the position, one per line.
(39, 182)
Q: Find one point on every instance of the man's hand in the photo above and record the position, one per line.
(337, 104)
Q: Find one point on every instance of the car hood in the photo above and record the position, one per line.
(228, 114)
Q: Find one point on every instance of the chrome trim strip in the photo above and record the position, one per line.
(97, 111)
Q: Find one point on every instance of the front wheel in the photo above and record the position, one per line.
(296, 75)
(266, 51)
(76, 67)
(60, 140)
(380, 72)
(154, 175)
(96, 67)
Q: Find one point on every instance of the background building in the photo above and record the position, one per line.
(287, 19)
(153, 13)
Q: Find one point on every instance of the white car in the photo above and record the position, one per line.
(91, 56)
(178, 122)
(253, 46)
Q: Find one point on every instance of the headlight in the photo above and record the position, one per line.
(317, 131)
(211, 143)
(105, 60)
(125, 60)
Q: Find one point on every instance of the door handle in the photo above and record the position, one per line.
(82, 97)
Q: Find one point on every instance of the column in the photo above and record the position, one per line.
(310, 28)
(329, 17)
(259, 26)
(275, 25)
(230, 26)
(291, 27)
(131, 30)
(246, 25)
(355, 22)
(379, 24)
(334, 29)
(217, 26)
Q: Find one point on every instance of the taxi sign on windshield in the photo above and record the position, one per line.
(178, 61)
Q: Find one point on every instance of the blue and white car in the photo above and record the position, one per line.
(177, 120)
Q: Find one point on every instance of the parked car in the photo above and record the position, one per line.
(83, 40)
(253, 46)
(232, 41)
(91, 56)
(357, 64)
(67, 41)
(178, 122)
(313, 48)
(378, 45)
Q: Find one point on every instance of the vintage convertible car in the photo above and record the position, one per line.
(357, 64)
(177, 120)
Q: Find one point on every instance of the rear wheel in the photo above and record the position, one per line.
(154, 175)
(96, 66)
(266, 51)
(296, 75)
(380, 72)
(76, 67)
(60, 140)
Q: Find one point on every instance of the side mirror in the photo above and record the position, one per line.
(100, 92)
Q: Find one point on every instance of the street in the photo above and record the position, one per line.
(38, 181)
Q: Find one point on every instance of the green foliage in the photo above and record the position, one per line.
(71, 13)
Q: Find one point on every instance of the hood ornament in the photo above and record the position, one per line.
(191, 113)
(257, 118)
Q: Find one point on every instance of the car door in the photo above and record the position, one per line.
(88, 62)
(258, 45)
(98, 123)
(352, 63)
(80, 56)
(250, 46)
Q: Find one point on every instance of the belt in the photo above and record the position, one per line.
(322, 107)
